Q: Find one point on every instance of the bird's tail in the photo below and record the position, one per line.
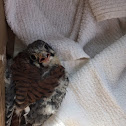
(15, 120)
(18, 119)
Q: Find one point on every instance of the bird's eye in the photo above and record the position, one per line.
(33, 57)
(42, 59)
(46, 47)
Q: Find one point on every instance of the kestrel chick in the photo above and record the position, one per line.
(36, 87)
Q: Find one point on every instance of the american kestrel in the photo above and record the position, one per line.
(36, 84)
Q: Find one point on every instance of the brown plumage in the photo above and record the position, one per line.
(30, 86)
(37, 86)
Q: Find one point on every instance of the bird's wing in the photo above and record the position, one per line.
(37, 115)
(46, 85)
(24, 75)
(30, 85)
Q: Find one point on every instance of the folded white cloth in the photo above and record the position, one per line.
(97, 92)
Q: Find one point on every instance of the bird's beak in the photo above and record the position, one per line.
(44, 57)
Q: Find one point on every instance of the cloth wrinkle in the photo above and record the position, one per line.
(89, 38)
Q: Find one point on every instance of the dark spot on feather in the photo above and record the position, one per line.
(45, 89)
(46, 47)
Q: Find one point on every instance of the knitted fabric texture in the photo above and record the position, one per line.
(89, 37)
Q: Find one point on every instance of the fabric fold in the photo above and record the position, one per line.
(95, 82)
(30, 23)
(108, 9)
(97, 91)
(68, 49)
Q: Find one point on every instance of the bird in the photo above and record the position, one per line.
(36, 84)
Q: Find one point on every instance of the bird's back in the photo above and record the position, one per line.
(32, 85)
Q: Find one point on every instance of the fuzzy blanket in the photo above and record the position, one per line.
(89, 37)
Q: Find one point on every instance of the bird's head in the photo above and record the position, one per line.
(40, 53)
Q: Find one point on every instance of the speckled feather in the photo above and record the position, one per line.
(40, 88)
(29, 82)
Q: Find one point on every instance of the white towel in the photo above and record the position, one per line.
(97, 92)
